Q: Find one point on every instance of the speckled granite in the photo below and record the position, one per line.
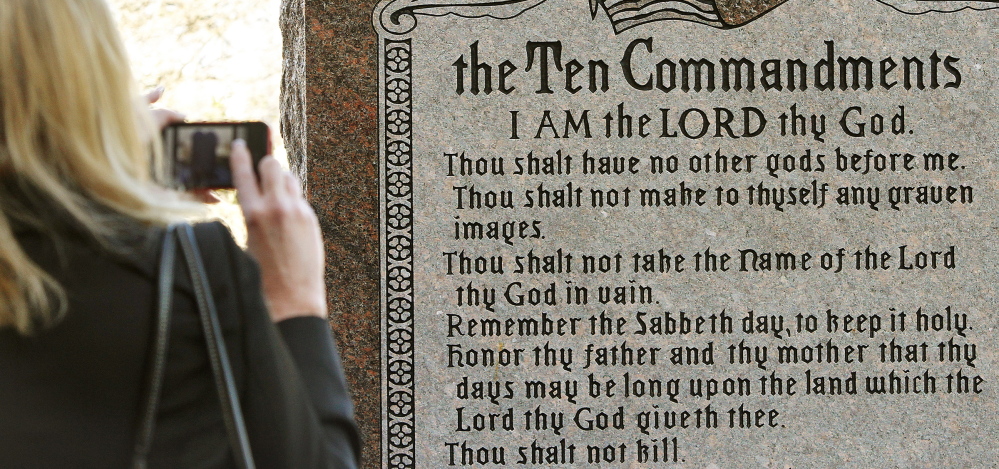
(329, 100)
(333, 138)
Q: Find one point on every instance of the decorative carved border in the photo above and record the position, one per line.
(397, 151)
(398, 18)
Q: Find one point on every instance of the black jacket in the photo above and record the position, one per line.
(70, 395)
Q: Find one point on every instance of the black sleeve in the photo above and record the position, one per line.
(295, 399)
(310, 342)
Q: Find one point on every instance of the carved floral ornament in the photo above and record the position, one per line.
(400, 16)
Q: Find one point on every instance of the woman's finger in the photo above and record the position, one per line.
(165, 117)
(271, 176)
(243, 176)
(205, 196)
(155, 94)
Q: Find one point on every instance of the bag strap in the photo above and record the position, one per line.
(225, 383)
(157, 359)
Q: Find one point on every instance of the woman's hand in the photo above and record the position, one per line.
(162, 117)
(283, 235)
(165, 117)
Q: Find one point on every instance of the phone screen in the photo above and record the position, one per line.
(198, 153)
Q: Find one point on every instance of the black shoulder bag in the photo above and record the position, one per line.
(225, 384)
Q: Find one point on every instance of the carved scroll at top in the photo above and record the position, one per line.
(399, 16)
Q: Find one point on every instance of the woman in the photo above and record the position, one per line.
(81, 222)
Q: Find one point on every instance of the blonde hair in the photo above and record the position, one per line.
(75, 132)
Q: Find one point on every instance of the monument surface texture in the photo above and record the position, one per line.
(665, 233)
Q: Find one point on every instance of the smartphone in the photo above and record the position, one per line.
(197, 153)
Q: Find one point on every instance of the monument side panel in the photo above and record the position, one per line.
(687, 233)
(330, 111)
